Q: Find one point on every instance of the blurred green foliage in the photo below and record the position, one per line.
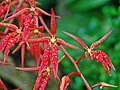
(89, 20)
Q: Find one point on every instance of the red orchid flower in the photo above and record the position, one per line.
(99, 55)
(53, 40)
(10, 39)
(19, 35)
(52, 44)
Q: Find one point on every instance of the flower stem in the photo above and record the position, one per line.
(64, 56)
(77, 68)
(79, 59)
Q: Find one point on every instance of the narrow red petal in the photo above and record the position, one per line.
(29, 69)
(46, 58)
(18, 47)
(18, 13)
(44, 82)
(26, 30)
(95, 44)
(10, 44)
(21, 16)
(55, 60)
(42, 39)
(106, 67)
(35, 21)
(102, 57)
(107, 60)
(36, 51)
(78, 40)
(40, 11)
(8, 25)
(23, 55)
(60, 41)
(5, 40)
(44, 25)
(86, 55)
(53, 23)
(40, 28)
(38, 81)
(7, 9)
